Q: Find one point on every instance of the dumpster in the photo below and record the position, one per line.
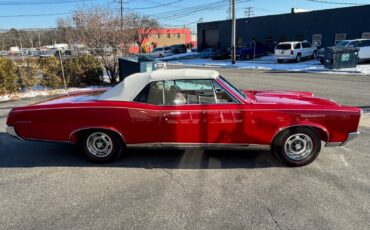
(137, 64)
(340, 57)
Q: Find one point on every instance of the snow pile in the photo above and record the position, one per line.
(179, 56)
(41, 91)
(269, 63)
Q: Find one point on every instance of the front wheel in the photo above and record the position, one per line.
(102, 146)
(297, 147)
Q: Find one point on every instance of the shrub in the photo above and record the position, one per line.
(8, 78)
(52, 72)
(27, 73)
(83, 70)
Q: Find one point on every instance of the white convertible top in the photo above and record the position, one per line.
(129, 88)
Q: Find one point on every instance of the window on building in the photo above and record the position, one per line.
(366, 35)
(178, 35)
(340, 37)
(158, 35)
(168, 35)
(316, 39)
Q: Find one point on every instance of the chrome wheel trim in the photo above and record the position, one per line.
(298, 146)
(99, 144)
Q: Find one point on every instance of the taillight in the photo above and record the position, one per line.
(292, 52)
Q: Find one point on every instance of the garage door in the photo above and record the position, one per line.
(211, 38)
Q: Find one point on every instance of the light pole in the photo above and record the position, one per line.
(233, 29)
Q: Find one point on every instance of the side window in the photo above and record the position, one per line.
(354, 44)
(221, 95)
(365, 43)
(182, 92)
(151, 94)
(297, 46)
(306, 45)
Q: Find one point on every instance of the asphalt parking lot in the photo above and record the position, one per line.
(51, 185)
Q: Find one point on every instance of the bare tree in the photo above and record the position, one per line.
(141, 27)
(99, 29)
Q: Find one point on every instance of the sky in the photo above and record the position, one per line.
(170, 13)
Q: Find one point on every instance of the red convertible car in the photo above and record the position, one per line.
(188, 108)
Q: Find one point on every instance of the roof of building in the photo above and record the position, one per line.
(129, 88)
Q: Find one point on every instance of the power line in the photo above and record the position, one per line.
(190, 10)
(13, 3)
(249, 12)
(33, 15)
(157, 6)
(335, 3)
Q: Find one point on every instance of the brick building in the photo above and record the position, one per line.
(163, 37)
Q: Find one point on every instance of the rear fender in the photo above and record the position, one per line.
(74, 137)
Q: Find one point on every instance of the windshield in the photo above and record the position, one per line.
(342, 43)
(235, 90)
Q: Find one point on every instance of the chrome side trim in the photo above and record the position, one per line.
(350, 137)
(199, 146)
(11, 131)
(333, 144)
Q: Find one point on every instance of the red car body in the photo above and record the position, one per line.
(255, 121)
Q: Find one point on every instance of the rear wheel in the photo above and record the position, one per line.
(102, 146)
(298, 146)
(298, 58)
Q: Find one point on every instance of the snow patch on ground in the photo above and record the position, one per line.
(41, 91)
(179, 56)
(269, 63)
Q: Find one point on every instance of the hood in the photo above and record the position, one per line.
(286, 97)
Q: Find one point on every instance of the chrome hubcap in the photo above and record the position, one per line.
(99, 144)
(298, 146)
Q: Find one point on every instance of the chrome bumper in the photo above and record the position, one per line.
(350, 137)
(11, 131)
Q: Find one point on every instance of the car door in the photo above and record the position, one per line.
(145, 118)
(365, 47)
(195, 114)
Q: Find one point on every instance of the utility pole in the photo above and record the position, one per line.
(39, 40)
(233, 30)
(249, 12)
(121, 7)
(61, 65)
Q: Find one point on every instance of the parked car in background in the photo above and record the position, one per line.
(182, 108)
(294, 51)
(3, 53)
(178, 49)
(256, 49)
(221, 54)
(49, 53)
(362, 44)
(206, 53)
(161, 52)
